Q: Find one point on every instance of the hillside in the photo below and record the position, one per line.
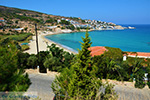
(14, 20)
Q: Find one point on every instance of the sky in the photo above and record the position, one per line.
(116, 11)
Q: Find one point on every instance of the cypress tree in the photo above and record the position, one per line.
(84, 82)
(80, 81)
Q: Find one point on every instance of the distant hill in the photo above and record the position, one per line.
(5, 10)
(15, 18)
(9, 12)
(12, 18)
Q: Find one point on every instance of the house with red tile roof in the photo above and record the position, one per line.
(139, 54)
(97, 50)
(2, 20)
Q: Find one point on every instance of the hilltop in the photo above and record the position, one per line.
(14, 20)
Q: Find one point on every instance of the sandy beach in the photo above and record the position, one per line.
(43, 43)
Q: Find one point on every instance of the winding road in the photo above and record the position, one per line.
(41, 87)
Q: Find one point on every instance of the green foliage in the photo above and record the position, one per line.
(26, 28)
(131, 61)
(25, 18)
(32, 61)
(138, 73)
(70, 27)
(65, 22)
(108, 68)
(42, 57)
(1, 27)
(12, 77)
(125, 71)
(78, 28)
(114, 54)
(83, 21)
(68, 59)
(111, 66)
(23, 59)
(109, 93)
(53, 64)
(62, 27)
(20, 37)
(24, 47)
(16, 21)
(148, 83)
(75, 18)
(148, 76)
(57, 59)
(80, 81)
(56, 51)
(9, 22)
(139, 77)
(51, 20)
(1, 33)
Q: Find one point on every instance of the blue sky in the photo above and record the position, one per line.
(116, 11)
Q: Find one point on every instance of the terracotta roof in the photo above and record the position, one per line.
(97, 50)
(1, 18)
(139, 54)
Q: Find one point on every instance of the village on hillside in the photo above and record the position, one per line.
(16, 21)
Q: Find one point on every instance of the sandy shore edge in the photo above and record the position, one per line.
(44, 42)
(48, 41)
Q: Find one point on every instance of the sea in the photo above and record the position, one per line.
(132, 40)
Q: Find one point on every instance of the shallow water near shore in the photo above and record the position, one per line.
(134, 40)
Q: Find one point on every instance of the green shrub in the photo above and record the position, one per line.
(148, 83)
(22, 59)
(1, 33)
(41, 59)
(25, 47)
(139, 77)
(65, 22)
(20, 37)
(58, 59)
(32, 61)
(12, 76)
(148, 76)
(114, 54)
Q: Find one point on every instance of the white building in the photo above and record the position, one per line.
(124, 57)
(18, 29)
(62, 18)
(58, 21)
(67, 20)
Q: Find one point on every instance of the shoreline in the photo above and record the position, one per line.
(44, 42)
(64, 47)
(48, 41)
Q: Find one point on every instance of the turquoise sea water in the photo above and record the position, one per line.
(135, 40)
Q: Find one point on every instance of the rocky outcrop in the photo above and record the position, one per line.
(118, 27)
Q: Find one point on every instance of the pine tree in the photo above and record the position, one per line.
(84, 83)
(12, 77)
(80, 81)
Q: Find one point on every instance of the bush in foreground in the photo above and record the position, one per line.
(12, 77)
(58, 59)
